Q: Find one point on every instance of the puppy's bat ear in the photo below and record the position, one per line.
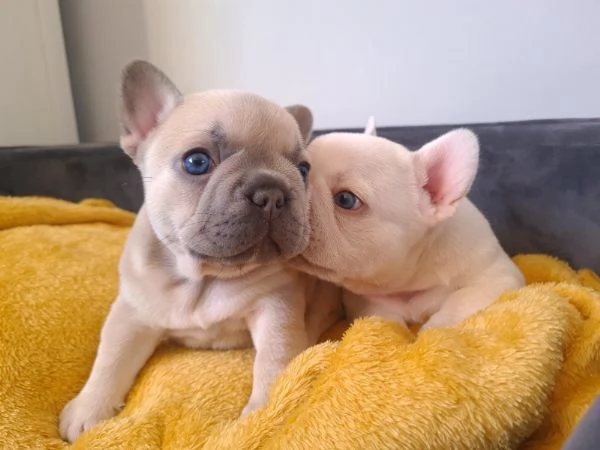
(147, 98)
(446, 168)
(370, 128)
(304, 117)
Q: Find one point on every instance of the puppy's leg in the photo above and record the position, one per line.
(469, 300)
(502, 275)
(459, 305)
(125, 346)
(279, 334)
(324, 309)
(357, 307)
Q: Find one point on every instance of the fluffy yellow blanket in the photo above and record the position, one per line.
(520, 374)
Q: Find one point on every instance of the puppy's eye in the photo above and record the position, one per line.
(197, 162)
(347, 200)
(304, 168)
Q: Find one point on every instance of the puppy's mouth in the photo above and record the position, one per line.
(263, 252)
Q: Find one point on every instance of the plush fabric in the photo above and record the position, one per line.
(521, 373)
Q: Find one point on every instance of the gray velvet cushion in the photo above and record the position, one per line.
(538, 182)
(71, 173)
(586, 435)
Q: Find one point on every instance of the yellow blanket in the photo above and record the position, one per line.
(520, 374)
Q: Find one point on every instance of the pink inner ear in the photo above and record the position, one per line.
(448, 166)
(147, 112)
(435, 182)
(147, 108)
(146, 123)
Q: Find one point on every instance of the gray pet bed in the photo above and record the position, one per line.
(538, 182)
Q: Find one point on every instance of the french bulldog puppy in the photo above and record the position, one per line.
(395, 228)
(225, 207)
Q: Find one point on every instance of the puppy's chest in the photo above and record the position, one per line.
(211, 316)
(211, 313)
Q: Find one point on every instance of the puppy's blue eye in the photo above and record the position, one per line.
(347, 200)
(197, 162)
(304, 168)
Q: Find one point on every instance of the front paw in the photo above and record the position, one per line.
(252, 406)
(438, 322)
(82, 413)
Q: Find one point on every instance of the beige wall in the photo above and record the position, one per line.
(406, 62)
(101, 36)
(35, 96)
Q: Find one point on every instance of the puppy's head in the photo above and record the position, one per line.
(224, 171)
(373, 201)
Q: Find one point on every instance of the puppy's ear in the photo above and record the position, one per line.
(304, 117)
(370, 128)
(446, 168)
(147, 98)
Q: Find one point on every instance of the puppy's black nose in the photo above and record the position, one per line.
(268, 193)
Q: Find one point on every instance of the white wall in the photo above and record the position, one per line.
(406, 62)
(36, 107)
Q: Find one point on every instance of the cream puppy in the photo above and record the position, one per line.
(225, 207)
(395, 228)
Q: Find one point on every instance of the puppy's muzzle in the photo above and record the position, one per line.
(260, 219)
(268, 193)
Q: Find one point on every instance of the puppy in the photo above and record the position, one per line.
(395, 228)
(225, 206)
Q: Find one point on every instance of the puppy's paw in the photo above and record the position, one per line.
(438, 322)
(82, 413)
(252, 406)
